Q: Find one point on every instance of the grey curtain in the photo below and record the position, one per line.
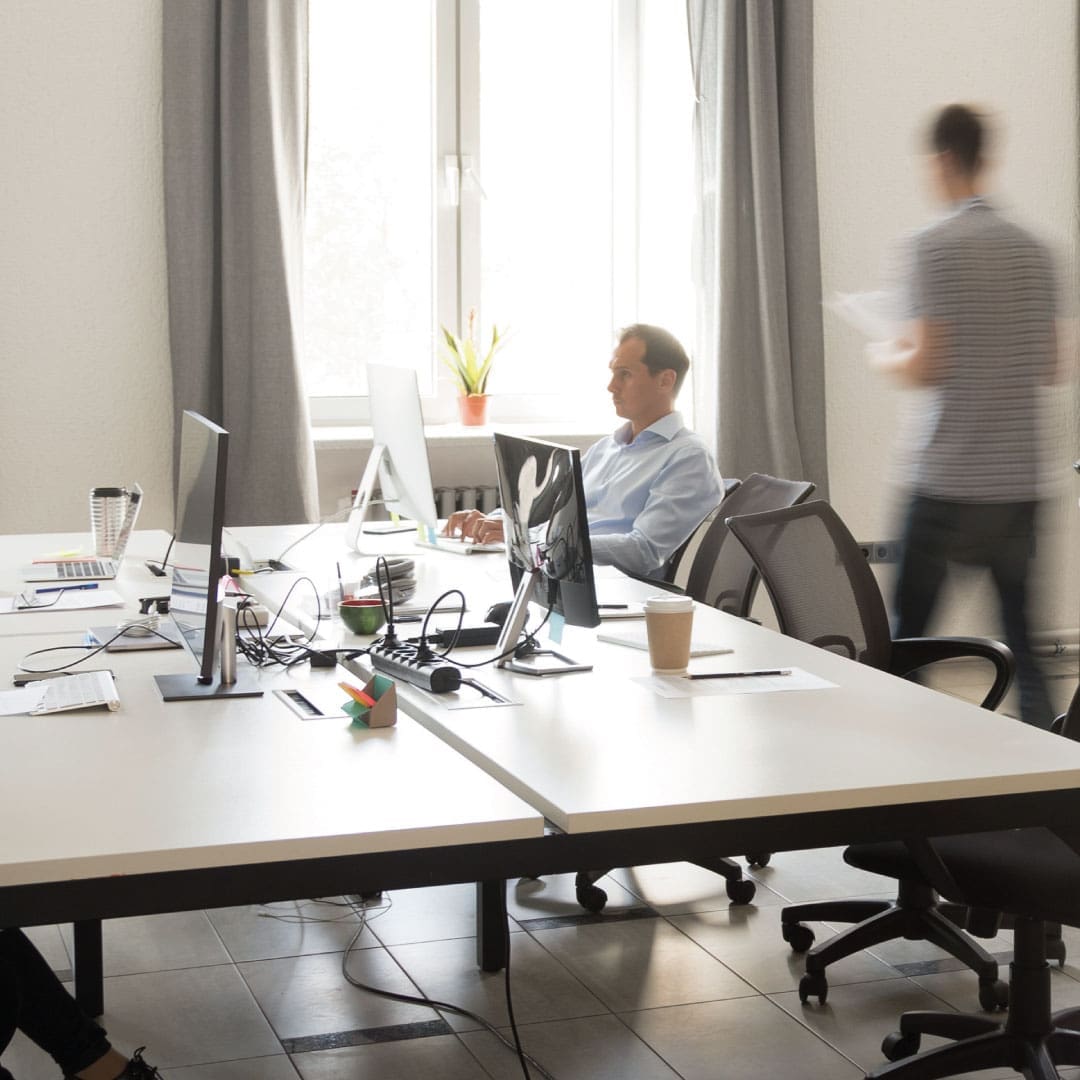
(235, 124)
(760, 376)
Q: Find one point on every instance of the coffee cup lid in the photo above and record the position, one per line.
(668, 604)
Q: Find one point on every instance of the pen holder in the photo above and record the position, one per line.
(382, 712)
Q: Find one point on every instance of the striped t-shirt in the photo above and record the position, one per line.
(989, 286)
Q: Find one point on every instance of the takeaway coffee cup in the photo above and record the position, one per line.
(668, 622)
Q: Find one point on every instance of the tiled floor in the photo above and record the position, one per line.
(670, 982)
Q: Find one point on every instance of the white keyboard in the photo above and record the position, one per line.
(81, 691)
(458, 547)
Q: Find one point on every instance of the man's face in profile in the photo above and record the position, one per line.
(636, 393)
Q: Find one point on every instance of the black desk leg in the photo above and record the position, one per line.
(89, 988)
(491, 925)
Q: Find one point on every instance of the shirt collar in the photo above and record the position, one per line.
(667, 427)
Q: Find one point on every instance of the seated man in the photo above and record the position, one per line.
(649, 484)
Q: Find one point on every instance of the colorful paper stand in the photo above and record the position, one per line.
(381, 693)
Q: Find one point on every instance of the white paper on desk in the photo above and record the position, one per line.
(676, 686)
(72, 600)
(635, 637)
(22, 700)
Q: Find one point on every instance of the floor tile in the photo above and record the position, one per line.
(448, 911)
(960, 989)
(292, 928)
(49, 941)
(641, 965)
(743, 1037)
(306, 995)
(592, 1048)
(802, 876)
(748, 941)
(157, 943)
(443, 1056)
(531, 898)
(263, 1068)
(679, 888)
(541, 987)
(189, 1017)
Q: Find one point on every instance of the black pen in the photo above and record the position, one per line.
(738, 674)
(612, 607)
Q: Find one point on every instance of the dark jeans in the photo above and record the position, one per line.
(997, 536)
(34, 1000)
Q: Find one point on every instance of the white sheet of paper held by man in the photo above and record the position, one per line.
(873, 314)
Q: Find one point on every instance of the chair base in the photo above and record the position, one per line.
(914, 916)
(740, 890)
(1031, 1041)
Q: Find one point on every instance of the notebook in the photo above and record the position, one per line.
(88, 567)
(635, 638)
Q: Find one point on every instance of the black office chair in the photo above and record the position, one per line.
(714, 569)
(824, 593)
(1034, 876)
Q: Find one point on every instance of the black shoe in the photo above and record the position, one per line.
(137, 1069)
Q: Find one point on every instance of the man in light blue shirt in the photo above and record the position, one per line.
(649, 484)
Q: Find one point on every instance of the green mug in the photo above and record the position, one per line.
(362, 616)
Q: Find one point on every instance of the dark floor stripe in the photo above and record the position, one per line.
(945, 963)
(553, 922)
(363, 1036)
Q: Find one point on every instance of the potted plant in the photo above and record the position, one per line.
(471, 370)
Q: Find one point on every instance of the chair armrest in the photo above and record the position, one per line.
(660, 583)
(910, 654)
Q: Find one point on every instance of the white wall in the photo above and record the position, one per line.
(86, 395)
(880, 71)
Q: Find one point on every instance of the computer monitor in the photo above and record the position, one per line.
(197, 604)
(547, 545)
(398, 458)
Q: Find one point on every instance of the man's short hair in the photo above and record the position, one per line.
(959, 130)
(662, 351)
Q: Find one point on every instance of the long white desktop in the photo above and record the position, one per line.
(231, 802)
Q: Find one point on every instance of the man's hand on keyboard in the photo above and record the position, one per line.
(473, 525)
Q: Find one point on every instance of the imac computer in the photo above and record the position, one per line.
(547, 546)
(206, 621)
(398, 459)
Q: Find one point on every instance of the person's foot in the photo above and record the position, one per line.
(137, 1069)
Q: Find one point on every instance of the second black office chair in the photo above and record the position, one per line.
(824, 593)
(715, 569)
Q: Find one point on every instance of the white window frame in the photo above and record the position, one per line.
(458, 212)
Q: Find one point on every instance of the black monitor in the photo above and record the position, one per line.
(197, 604)
(547, 544)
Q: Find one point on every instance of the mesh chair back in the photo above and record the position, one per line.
(818, 580)
(721, 573)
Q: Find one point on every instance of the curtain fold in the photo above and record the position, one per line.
(759, 383)
(234, 117)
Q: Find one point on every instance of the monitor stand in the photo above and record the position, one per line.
(529, 659)
(227, 684)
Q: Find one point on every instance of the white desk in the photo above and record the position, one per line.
(133, 581)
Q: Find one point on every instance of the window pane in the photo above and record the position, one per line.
(546, 86)
(369, 244)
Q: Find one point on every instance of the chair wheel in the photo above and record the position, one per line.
(813, 986)
(1055, 950)
(591, 898)
(898, 1045)
(799, 937)
(758, 858)
(993, 994)
(741, 891)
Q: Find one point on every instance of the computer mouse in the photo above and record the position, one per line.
(497, 612)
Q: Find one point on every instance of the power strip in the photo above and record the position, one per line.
(400, 663)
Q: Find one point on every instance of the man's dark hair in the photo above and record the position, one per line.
(662, 351)
(959, 130)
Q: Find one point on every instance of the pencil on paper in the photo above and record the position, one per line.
(739, 674)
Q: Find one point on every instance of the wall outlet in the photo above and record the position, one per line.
(880, 551)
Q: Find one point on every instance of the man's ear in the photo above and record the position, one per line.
(667, 380)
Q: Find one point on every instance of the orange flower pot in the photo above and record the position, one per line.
(473, 409)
